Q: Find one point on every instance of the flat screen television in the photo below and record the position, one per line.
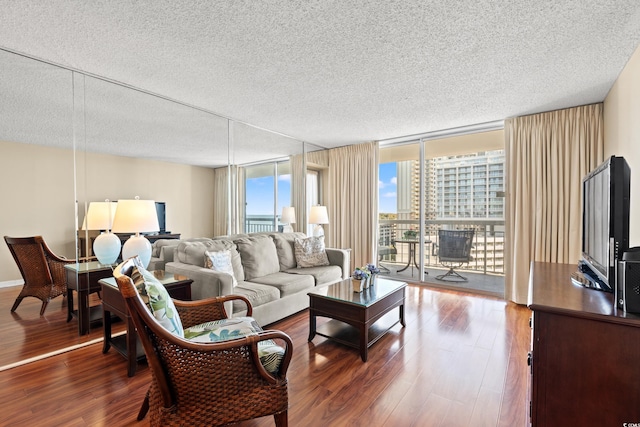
(605, 221)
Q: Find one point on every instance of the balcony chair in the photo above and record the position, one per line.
(214, 372)
(42, 270)
(454, 249)
(386, 250)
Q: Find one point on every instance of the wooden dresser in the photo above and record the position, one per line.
(585, 353)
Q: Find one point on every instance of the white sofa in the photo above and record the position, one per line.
(265, 267)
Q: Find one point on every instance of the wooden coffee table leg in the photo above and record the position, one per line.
(364, 342)
(106, 329)
(312, 325)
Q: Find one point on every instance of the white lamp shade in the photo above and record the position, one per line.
(137, 245)
(99, 216)
(106, 248)
(288, 215)
(136, 216)
(318, 215)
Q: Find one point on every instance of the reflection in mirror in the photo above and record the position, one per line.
(68, 139)
(36, 140)
(157, 149)
(316, 177)
(263, 183)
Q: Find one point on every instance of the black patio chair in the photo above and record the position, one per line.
(454, 250)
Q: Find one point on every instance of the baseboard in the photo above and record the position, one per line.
(10, 283)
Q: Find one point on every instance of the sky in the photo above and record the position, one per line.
(388, 188)
(259, 195)
(259, 192)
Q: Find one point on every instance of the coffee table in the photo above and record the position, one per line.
(357, 319)
(179, 287)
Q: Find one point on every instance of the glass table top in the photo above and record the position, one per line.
(343, 291)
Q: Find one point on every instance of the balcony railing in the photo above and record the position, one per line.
(260, 223)
(487, 250)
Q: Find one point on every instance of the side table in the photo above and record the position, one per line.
(83, 278)
(179, 287)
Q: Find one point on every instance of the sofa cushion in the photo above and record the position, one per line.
(322, 275)
(193, 253)
(287, 283)
(158, 300)
(259, 256)
(269, 352)
(284, 246)
(220, 261)
(256, 293)
(310, 252)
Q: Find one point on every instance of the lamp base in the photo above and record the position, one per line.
(137, 245)
(287, 229)
(318, 230)
(106, 247)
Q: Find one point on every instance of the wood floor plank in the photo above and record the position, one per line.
(460, 361)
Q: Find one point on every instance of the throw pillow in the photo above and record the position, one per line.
(310, 252)
(220, 261)
(158, 300)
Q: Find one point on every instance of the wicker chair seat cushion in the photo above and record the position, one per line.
(269, 352)
(158, 301)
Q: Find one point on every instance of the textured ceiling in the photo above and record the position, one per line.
(327, 72)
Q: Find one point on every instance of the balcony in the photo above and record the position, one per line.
(485, 273)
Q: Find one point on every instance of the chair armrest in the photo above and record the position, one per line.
(195, 312)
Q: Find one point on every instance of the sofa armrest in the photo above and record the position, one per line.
(167, 253)
(341, 258)
(206, 283)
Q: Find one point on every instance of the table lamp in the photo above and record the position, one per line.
(318, 216)
(106, 247)
(288, 218)
(136, 216)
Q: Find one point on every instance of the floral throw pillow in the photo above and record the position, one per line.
(310, 252)
(220, 261)
(158, 300)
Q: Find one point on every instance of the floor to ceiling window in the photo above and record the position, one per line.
(458, 185)
(267, 191)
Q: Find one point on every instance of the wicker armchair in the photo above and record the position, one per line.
(454, 249)
(205, 384)
(41, 269)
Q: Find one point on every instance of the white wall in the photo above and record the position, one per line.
(37, 194)
(622, 132)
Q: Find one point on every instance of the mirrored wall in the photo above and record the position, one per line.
(68, 139)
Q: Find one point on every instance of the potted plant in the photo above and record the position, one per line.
(373, 272)
(359, 278)
(410, 234)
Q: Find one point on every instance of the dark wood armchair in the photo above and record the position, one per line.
(41, 269)
(205, 384)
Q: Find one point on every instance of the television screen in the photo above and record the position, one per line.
(605, 219)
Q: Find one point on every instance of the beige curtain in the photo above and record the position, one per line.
(352, 200)
(220, 209)
(298, 192)
(228, 199)
(547, 155)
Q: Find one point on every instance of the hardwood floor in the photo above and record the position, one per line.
(460, 361)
